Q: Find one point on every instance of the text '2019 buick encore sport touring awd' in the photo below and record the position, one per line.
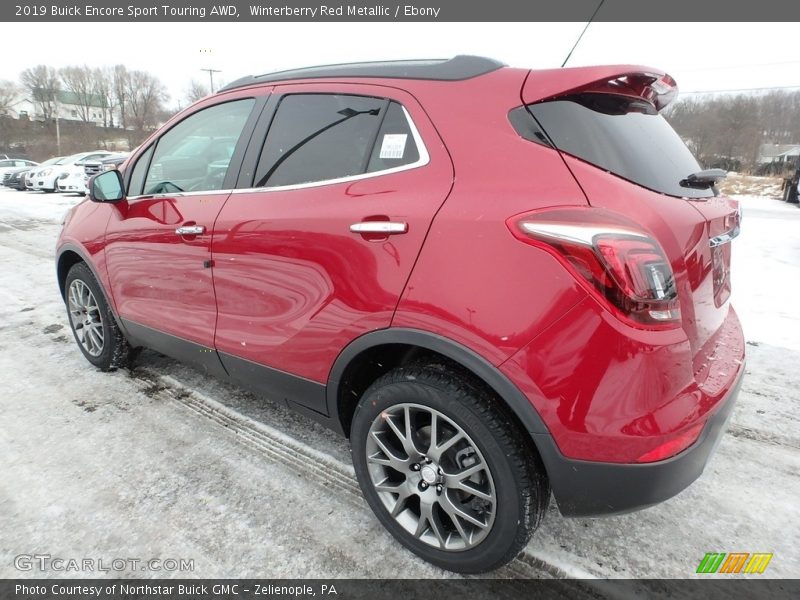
(498, 283)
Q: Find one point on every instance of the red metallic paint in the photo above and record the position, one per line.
(294, 286)
(294, 282)
(158, 277)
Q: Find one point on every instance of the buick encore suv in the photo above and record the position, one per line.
(500, 284)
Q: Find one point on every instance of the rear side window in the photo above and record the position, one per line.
(395, 146)
(623, 136)
(322, 137)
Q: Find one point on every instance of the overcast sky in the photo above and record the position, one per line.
(700, 56)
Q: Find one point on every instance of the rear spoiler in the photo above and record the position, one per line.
(651, 85)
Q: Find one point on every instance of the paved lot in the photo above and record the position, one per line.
(163, 462)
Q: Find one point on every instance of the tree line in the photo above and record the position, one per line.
(727, 131)
(131, 100)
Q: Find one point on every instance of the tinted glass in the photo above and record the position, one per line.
(317, 137)
(623, 136)
(139, 170)
(194, 155)
(395, 145)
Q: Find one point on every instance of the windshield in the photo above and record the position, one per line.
(69, 160)
(621, 135)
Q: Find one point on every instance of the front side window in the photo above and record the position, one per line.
(324, 137)
(195, 154)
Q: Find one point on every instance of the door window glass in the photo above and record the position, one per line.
(318, 137)
(195, 154)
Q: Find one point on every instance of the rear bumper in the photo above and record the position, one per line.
(585, 488)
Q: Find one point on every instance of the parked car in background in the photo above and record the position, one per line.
(43, 171)
(493, 299)
(10, 164)
(15, 179)
(93, 167)
(47, 179)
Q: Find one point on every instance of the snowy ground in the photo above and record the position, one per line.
(163, 462)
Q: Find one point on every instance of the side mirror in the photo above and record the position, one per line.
(107, 187)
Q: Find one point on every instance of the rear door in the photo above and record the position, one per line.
(339, 187)
(629, 159)
(158, 239)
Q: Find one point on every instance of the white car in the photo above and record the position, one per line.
(36, 171)
(46, 179)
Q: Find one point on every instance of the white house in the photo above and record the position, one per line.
(68, 108)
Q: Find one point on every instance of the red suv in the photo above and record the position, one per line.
(496, 282)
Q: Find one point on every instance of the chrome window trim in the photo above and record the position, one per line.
(177, 195)
(424, 159)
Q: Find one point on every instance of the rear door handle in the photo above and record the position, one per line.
(385, 227)
(190, 230)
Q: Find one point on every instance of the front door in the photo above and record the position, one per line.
(158, 240)
(317, 247)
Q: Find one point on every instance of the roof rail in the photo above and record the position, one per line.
(454, 69)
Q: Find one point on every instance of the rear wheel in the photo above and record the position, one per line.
(445, 470)
(94, 327)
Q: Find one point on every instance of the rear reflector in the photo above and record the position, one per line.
(618, 261)
(674, 446)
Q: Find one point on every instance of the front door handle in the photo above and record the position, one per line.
(190, 230)
(384, 227)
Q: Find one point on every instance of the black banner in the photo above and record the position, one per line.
(732, 588)
(403, 10)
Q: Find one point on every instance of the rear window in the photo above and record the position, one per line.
(623, 136)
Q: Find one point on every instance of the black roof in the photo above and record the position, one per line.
(453, 69)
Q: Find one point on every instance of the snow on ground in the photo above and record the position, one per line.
(164, 462)
(753, 185)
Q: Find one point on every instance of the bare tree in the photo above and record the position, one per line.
(80, 82)
(196, 91)
(145, 96)
(119, 85)
(43, 84)
(103, 83)
(9, 94)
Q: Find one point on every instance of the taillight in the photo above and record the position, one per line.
(618, 261)
(673, 446)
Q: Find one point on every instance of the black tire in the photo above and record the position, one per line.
(115, 352)
(522, 491)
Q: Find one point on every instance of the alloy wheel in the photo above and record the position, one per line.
(84, 314)
(431, 477)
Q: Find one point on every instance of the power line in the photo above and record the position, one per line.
(589, 22)
(742, 66)
(756, 89)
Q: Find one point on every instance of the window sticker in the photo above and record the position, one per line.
(394, 145)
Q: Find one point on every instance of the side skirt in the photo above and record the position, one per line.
(305, 396)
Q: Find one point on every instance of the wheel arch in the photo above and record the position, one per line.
(369, 356)
(68, 256)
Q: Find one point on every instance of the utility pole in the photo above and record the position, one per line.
(211, 76)
(58, 129)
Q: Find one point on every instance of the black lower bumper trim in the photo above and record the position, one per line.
(586, 489)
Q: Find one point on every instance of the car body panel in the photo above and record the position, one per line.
(281, 293)
(292, 280)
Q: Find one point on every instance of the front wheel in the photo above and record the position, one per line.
(445, 470)
(94, 327)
